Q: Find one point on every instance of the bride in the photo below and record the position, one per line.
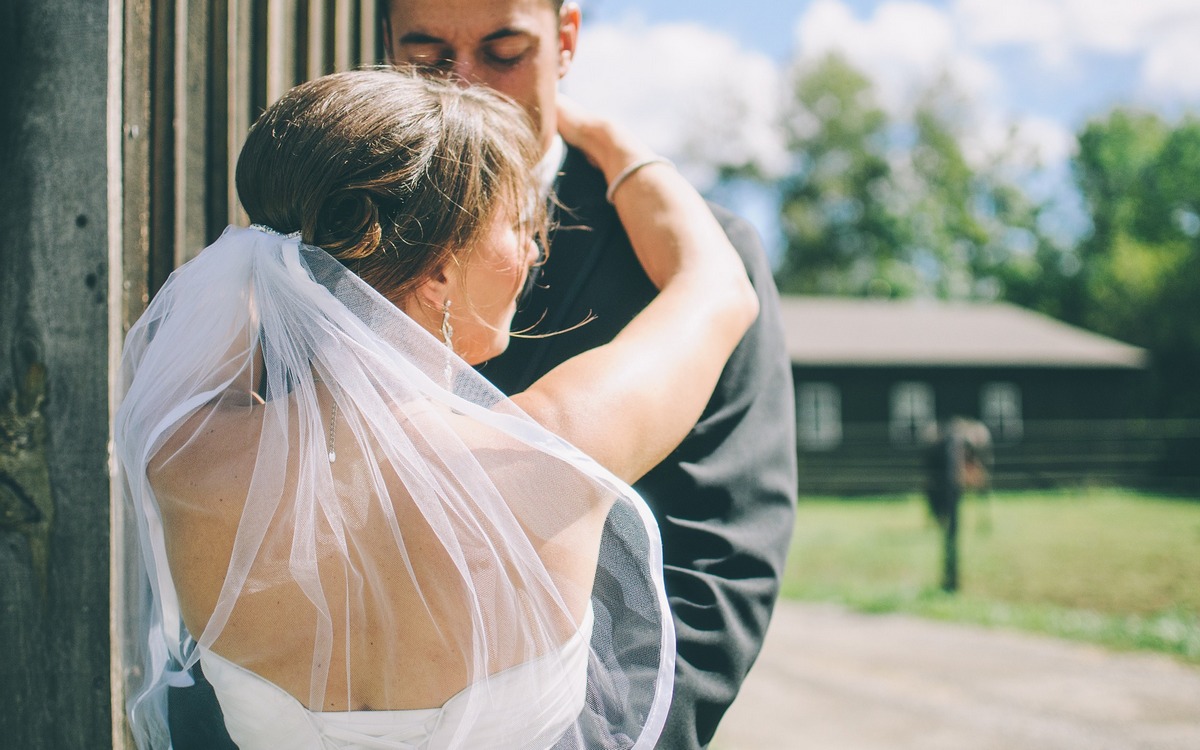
(361, 541)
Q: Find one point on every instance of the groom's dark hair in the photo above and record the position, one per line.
(383, 8)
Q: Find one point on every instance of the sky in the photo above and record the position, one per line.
(703, 80)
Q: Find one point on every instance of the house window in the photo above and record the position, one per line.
(1000, 407)
(912, 412)
(819, 415)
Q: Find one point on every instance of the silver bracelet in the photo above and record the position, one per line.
(627, 172)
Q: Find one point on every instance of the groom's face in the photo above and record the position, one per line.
(517, 47)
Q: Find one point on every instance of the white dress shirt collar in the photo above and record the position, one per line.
(547, 169)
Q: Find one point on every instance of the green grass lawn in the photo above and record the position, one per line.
(1113, 567)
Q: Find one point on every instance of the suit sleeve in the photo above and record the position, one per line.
(725, 501)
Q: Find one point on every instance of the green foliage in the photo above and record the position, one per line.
(894, 208)
(839, 232)
(1107, 566)
(1139, 276)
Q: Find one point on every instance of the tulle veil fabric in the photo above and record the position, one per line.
(334, 502)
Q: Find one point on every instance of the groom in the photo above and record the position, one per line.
(724, 499)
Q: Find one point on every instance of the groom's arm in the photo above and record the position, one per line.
(725, 500)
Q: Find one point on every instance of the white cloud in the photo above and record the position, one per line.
(1126, 26)
(904, 47)
(987, 22)
(691, 92)
(1171, 69)
(1117, 27)
(1160, 36)
(1041, 24)
(698, 96)
(1024, 145)
(1049, 141)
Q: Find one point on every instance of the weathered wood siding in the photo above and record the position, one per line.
(54, 412)
(120, 128)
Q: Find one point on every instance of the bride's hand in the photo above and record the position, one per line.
(631, 401)
(609, 147)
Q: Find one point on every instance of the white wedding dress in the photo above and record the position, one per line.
(336, 514)
(540, 697)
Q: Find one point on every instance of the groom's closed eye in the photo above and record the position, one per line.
(508, 50)
(503, 50)
(426, 51)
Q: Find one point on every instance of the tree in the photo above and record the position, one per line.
(1139, 277)
(966, 224)
(884, 206)
(841, 234)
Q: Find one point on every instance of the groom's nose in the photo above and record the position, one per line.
(466, 71)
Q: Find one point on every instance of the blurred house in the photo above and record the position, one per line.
(1064, 405)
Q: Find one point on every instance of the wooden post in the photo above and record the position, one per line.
(120, 127)
(54, 359)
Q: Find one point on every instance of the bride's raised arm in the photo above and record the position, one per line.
(630, 402)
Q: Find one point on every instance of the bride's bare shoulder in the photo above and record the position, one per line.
(208, 447)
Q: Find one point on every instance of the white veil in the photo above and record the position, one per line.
(342, 509)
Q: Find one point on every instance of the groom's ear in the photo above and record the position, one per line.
(568, 36)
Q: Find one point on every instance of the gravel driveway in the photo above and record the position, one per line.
(830, 679)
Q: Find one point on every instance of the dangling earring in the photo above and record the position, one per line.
(447, 329)
(448, 338)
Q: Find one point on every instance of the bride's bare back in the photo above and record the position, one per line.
(201, 478)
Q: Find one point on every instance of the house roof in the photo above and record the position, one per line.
(867, 332)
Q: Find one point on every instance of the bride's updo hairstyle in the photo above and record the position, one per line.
(392, 173)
